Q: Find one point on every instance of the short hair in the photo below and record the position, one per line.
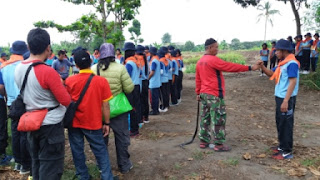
(209, 42)
(61, 52)
(82, 59)
(38, 40)
(273, 42)
(265, 44)
(97, 50)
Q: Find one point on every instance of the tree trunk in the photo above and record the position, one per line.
(297, 17)
(104, 19)
(265, 29)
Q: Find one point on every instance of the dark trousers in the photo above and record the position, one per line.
(306, 59)
(273, 61)
(135, 114)
(285, 122)
(144, 100)
(314, 62)
(265, 63)
(164, 95)
(179, 84)
(300, 59)
(3, 127)
(119, 126)
(20, 146)
(47, 152)
(155, 94)
(173, 89)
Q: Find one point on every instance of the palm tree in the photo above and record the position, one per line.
(267, 13)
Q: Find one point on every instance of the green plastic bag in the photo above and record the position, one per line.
(119, 105)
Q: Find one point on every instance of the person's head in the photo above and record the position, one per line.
(146, 49)
(39, 43)
(171, 48)
(161, 53)
(96, 51)
(316, 35)
(273, 44)
(106, 55)
(308, 35)
(178, 52)
(264, 46)
(129, 50)
(164, 49)
(140, 50)
(61, 55)
(298, 38)
(4, 56)
(153, 51)
(283, 49)
(82, 59)
(211, 46)
(289, 38)
(19, 48)
(173, 53)
(118, 52)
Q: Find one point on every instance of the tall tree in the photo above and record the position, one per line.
(166, 38)
(311, 19)
(266, 13)
(135, 32)
(188, 46)
(295, 6)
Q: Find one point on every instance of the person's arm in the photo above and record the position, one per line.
(2, 90)
(198, 83)
(150, 75)
(106, 115)
(292, 84)
(126, 82)
(129, 69)
(267, 71)
(221, 65)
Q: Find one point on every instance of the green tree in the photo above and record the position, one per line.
(235, 44)
(135, 32)
(188, 46)
(223, 45)
(166, 38)
(295, 6)
(267, 14)
(311, 19)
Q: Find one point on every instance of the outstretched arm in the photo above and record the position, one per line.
(267, 71)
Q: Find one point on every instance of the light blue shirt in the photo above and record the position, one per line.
(175, 67)
(282, 87)
(264, 58)
(170, 70)
(164, 73)
(134, 72)
(12, 89)
(154, 81)
(314, 52)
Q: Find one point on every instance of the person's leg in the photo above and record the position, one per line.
(179, 85)
(205, 133)
(166, 95)
(218, 119)
(51, 152)
(313, 64)
(136, 115)
(155, 93)
(174, 93)
(33, 142)
(144, 100)
(24, 152)
(278, 116)
(265, 63)
(119, 126)
(15, 137)
(308, 52)
(304, 60)
(3, 127)
(76, 139)
(99, 149)
(162, 92)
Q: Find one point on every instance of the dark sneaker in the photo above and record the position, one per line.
(275, 149)
(24, 170)
(282, 155)
(134, 134)
(17, 167)
(152, 113)
(5, 160)
(127, 171)
(222, 148)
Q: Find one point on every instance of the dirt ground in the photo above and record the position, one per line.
(250, 130)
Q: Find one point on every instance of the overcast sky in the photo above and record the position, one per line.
(194, 20)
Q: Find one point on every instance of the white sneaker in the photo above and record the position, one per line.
(261, 75)
(304, 72)
(179, 100)
(163, 110)
(264, 74)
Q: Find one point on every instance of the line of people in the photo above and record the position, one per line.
(306, 52)
(146, 75)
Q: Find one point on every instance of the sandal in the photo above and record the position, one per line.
(204, 145)
(221, 148)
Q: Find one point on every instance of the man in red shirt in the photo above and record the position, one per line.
(88, 118)
(210, 91)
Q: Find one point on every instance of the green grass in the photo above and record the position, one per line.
(312, 80)
(69, 174)
(231, 161)
(234, 57)
(9, 148)
(311, 162)
(198, 155)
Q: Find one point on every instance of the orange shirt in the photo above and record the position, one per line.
(89, 114)
(13, 58)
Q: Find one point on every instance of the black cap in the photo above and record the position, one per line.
(308, 34)
(316, 34)
(209, 42)
(81, 55)
(298, 36)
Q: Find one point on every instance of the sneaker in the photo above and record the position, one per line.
(179, 101)
(174, 104)
(146, 121)
(151, 113)
(5, 160)
(275, 149)
(24, 170)
(163, 110)
(261, 75)
(17, 167)
(282, 155)
(305, 72)
(134, 134)
(264, 75)
(127, 171)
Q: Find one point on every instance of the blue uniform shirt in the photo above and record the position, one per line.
(1, 83)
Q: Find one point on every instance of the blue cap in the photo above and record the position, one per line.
(284, 45)
(3, 54)
(19, 47)
(26, 55)
(129, 46)
(153, 50)
(173, 53)
(140, 49)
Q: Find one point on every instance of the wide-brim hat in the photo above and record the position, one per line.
(284, 45)
(26, 55)
(106, 50)
(19, 47)
(171, 48)
(308, 34)
(298, 36)
(316, 34)
(164, 49)
(173, 53)
(140, 49)
(4, 55)
(153, 50)
(129, 46)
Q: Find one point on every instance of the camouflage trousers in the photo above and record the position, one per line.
(213, 119)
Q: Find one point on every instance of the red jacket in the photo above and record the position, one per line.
(209, 78)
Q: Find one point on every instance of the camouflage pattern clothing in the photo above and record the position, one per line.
(213, 118)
